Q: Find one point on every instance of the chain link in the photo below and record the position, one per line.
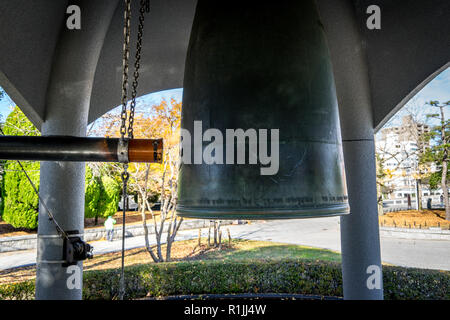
(136, 67)
(125, 57)
(123, 131)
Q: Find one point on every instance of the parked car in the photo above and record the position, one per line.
(156, 206)
(132, 205)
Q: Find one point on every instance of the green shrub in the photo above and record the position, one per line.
(20, 204)
(226, 277)
(92, 194)
(101, 197)
(217, 277)
(108, 202)
(18, 291)
(415, 284)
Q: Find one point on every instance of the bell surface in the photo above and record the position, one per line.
(263, 67)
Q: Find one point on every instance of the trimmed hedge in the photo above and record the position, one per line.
(91, 194)
(223, 277)
(108, 202)
(18, 291)
(102, 195)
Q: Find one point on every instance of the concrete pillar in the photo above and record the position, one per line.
(360, 239)
(62, 183)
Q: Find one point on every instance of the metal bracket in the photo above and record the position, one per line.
(122, 151)
(155, 151)
(51, 261)
(56, 236)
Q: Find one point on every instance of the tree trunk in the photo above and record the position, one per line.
(168, 251)
(144, 221)
(380, 200)
(215, 234)
(445, 190)
(158, 245)
(147, 243)
(209, 235)
(444, 167)
(419, 194)
(172, 231)
(219, 233)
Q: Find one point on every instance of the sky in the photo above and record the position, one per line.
(155, 98)
(438, 89)
(6, 105)
(143, 102)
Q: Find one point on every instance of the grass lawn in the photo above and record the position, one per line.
(250, 250)
(189, 250)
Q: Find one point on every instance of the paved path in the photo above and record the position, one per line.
(321, 233)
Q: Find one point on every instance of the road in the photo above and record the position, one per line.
(320, 233)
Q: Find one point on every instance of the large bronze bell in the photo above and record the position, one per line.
(263, 67)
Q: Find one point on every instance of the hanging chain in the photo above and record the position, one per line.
(125, 57)
(144, 7)
(123, 130)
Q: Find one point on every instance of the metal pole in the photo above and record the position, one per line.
(69, 148)
(62, 183)
(360, 239)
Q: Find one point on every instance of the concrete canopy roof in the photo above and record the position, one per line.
(411, 48)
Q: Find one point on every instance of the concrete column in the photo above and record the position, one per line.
(62, 183)
(360, 240)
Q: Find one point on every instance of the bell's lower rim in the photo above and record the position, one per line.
(260, 214)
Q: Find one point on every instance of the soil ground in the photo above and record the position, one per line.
(415, 219)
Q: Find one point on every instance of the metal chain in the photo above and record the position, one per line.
(125, 57)
(123, 130)
(144, 7)
(125, 176)
(142, 11)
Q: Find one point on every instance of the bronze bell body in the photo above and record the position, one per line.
(261, 135)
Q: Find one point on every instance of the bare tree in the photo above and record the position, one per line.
(162, 120)
(405, 158)
(438, 153)
(217, 234)
(169, 189)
